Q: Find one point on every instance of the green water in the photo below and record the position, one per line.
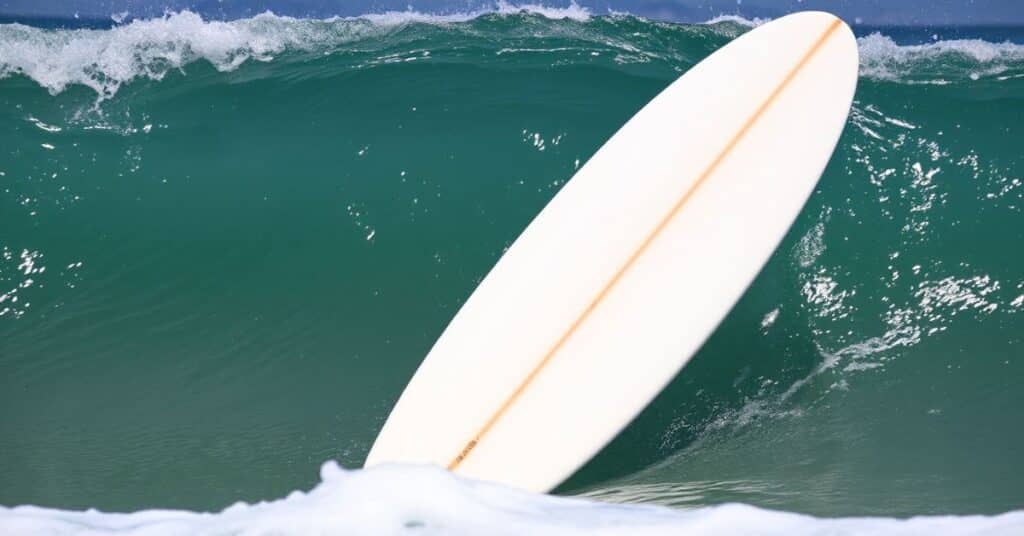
(226, 276)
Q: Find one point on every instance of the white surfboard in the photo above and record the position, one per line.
(625, 273)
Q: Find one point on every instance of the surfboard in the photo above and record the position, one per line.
(618, 281)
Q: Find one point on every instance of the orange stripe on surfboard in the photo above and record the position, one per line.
(702, 178)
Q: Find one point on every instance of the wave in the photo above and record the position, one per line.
(416, 499)
(105, 60)
(860, 297)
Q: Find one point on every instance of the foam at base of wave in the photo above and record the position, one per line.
(415, 499)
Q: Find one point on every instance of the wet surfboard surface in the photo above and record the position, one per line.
(619, 280)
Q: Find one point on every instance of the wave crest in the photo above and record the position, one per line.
(105, 60)
(941, 62)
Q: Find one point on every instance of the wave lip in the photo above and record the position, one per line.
(737, 19)
(937, 63)
(392, 18)
(105, 60)
(397, 499)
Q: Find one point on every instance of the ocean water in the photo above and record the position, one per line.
(225, 247)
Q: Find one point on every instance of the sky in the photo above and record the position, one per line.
(869, 12)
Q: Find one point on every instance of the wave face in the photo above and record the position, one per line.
(225, 247)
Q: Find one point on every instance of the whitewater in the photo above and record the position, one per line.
(104, 60)
(424, 500)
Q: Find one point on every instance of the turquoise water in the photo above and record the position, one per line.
(225, 247)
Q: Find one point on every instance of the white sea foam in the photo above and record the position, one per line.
(737, 19)
(426, 500)
(104, 60)
(391, 18)
(572, 11)
(882, 58)
(811, 245)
